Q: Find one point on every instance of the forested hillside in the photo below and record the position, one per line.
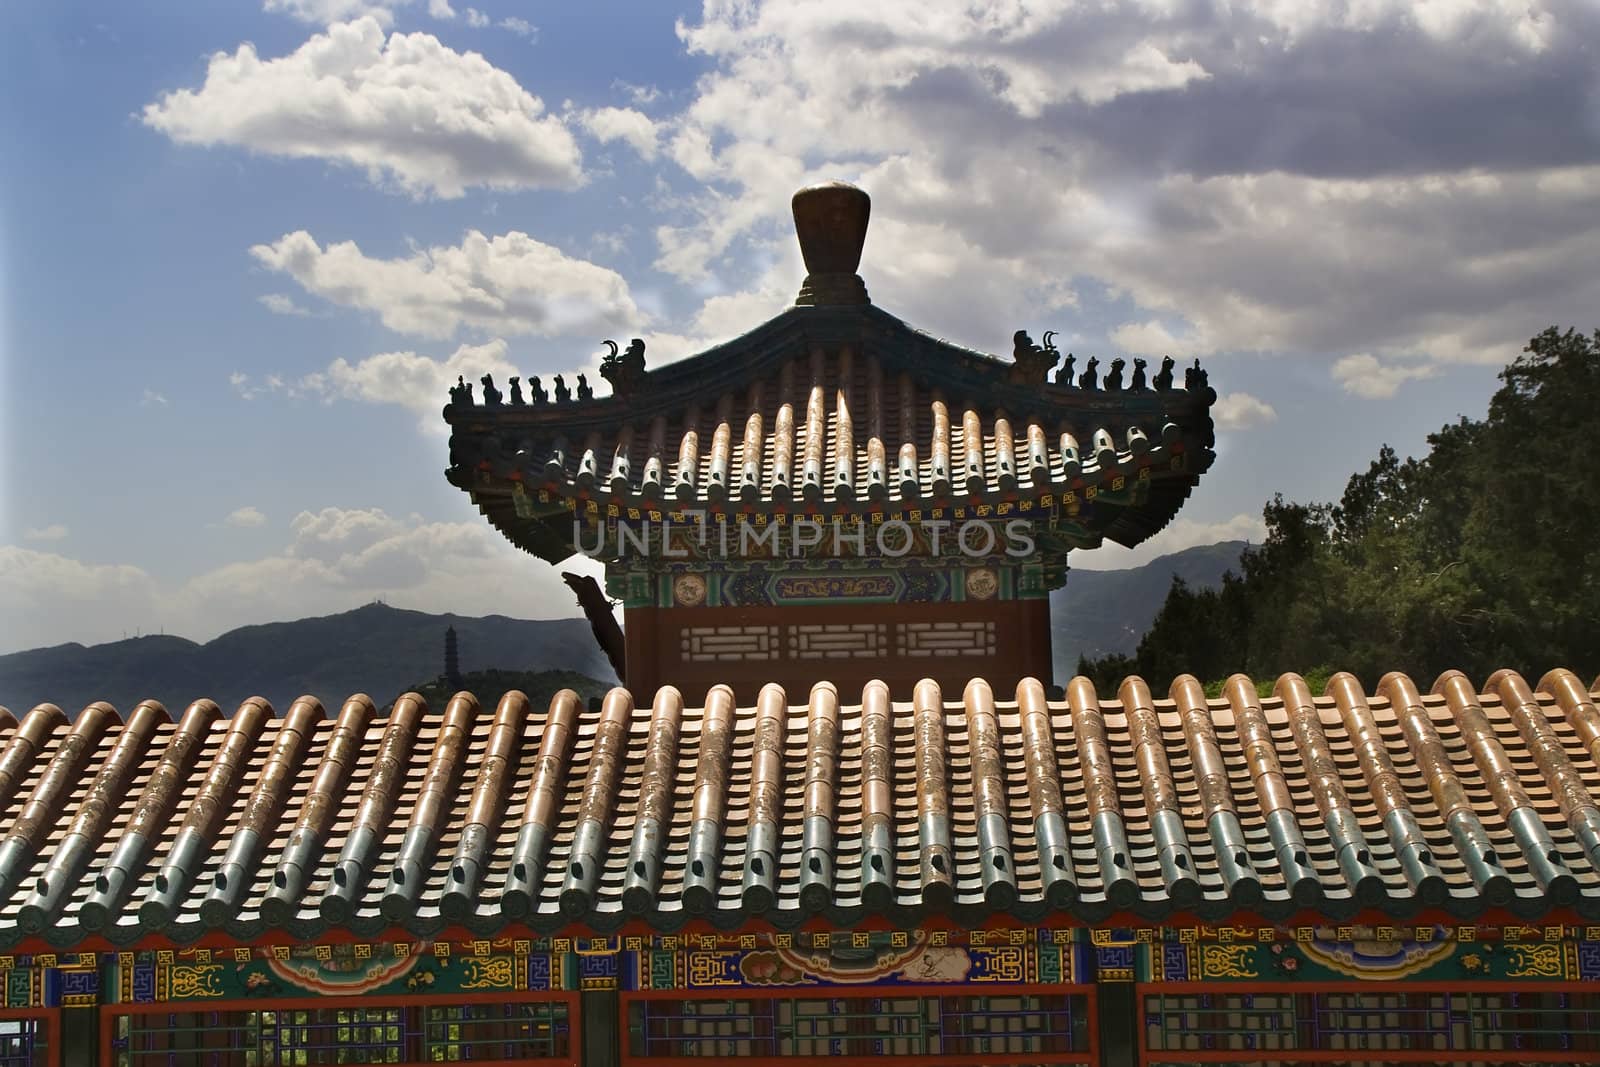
(1484, 553)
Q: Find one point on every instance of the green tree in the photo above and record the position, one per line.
(1481, 554)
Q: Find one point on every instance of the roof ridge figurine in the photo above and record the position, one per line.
(1114, 375)
(491, 395)
(1090, 379)
(1064, 376)
(1164, 375)
(1033, 362)
(624, 370)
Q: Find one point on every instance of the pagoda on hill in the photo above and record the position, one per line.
(836, 493)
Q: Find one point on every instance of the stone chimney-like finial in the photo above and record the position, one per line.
(830, 219)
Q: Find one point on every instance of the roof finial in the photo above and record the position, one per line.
(830, 218)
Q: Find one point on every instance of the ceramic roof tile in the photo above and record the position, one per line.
(1392, 800)
(843, 407)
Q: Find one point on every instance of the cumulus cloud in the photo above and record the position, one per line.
(476, 19)
(1263, 176)
(326, 12)
(331, 533)
(1241, 411)
(1179, 534)
(639, 94)
(404, 108)
(1364, 375)
(48, 599)
(1152, 338)
(282, 304)
(54, 532)
(245, 517)
(408, 379)
(506, 284)
(520, 27)
(337, 559)
(634, 128)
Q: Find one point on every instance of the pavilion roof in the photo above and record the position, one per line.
(1075, 809)
(836, 404)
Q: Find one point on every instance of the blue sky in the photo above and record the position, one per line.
(243, 251)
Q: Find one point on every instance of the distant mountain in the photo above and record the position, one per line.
(382, 651)
(1100, 612)
(376, 650)
(489, 686)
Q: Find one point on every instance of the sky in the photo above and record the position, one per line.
(244, 251)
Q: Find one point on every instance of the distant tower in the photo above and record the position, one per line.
(452, 661)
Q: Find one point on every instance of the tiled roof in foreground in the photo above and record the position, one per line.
(1392, 801)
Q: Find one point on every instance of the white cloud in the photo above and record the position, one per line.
(249, 388)
(54, 532)
(421, 384)
(282, 304)
(409, 380)
(327, 12)
(520, 27)
(404, 108)
(150, 398)
(507, 284)
(1241, 411)
(1363, 374)
(1152, 338)
(245, 517)
(331, 533)
(440, 9)
(48, 599)
(1013, 149)
(1178, 535)
(639, 94)
(476, 19)
(338, 559)
(609, 124)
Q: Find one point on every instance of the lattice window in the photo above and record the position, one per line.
(711, 643)
(1296, 1027)
(518, 1031)
(24, 1043)
(993, 1029)
(862, 640)
(945, 639)
(313, 1036)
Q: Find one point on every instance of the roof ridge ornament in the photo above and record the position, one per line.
(830, 219)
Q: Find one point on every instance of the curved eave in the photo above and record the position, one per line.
(549, 535)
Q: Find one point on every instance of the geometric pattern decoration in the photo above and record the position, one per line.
(267, 972)
(704, 962)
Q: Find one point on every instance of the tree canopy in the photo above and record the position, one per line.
(1484, 553)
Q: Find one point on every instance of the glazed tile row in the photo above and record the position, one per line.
(1388, 802)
